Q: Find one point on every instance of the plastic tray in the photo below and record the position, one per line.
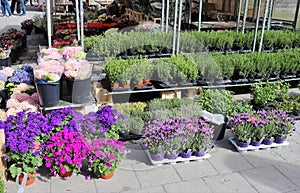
(256, 148)
(178, 160)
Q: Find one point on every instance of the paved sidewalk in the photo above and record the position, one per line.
(263, 171)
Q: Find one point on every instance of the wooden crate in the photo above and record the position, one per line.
(3, 168)
(100, 94)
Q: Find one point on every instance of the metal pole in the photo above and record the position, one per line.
(163, 15)
(167, 15)
(179, 26)
(200, 15)
(264, 25)
(254, 9)
(49, 30)
(245, 15)
(82, 30)
(77, 20)
(190, 11)
(296, 15)
(174, 27)
(270, 14)
(256, 25)
(239, 15)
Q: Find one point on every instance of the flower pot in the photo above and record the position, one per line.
(140, 84)
(115, 85)
(30, 178)
(48, 93)
(199, 153)
(64, 174)
(80, 90)
(243, 144)
(146, 82)
(255, 143)
(172, 155)
(279, 140)
(268, 141)
(187, 154)
(108, 176)
(157, 156)
(126, 85)
(5, 62)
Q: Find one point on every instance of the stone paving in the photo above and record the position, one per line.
(263, 171)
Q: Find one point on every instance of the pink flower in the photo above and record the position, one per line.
(70, 51)
(8, 71)
(3, 116)
(35, 97)
(20, 96)
(12, 111)
(23, 87)
(12, 103)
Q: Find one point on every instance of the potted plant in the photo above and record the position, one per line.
(4, 57)
(27, 25)
(78, 77)
(23, 133)
(202, 140)
(284, 125)
(47, 80)
(104, 156)
(64, 153)
(143, 71)
(162, 71)
(103, 123)
(241, 126)
(263, 94)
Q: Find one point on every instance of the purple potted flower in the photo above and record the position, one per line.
(23, 133)
(104, 156)
(241, 127)
(101, 124)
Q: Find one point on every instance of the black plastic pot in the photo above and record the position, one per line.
(219, 130)
(5, 62)
(80, 90)
(48, 92)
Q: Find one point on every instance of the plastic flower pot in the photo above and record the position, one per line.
(80, 90)
(279, 140)
(268, 141)
(30, 178)
(108, 176)
(48, 92)
(5, 62)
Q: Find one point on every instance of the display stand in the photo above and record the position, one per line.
(83, 108)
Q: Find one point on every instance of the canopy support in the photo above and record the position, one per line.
(256, 25)
(200, 15)
(263, 26)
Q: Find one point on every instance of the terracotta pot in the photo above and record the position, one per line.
(64, 174)
(126, 85)
(108, 176)
(147, 81)
(30, 178)
(115, 85)
(140, 84)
